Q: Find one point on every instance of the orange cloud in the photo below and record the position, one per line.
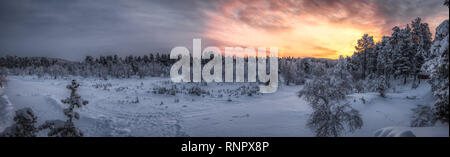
(305, 28)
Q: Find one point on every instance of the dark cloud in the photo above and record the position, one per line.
(75, 28)
(401, 12)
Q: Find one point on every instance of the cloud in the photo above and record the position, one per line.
(299, 28)
(73, 29)
(324, 52)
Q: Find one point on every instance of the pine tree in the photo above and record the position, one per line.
(59, 128)
(364, 48)
(422, 116)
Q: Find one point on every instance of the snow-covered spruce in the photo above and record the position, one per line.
(422, 116)
(438, 67)
(400, 56)
(382, 86)
(59, 128)
(24, 125)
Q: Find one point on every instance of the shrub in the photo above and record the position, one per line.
(422, 116)
(24, 124)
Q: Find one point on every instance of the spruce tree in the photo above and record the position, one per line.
(59, 128)
(421, 37)
(24, 125)
(438, 67)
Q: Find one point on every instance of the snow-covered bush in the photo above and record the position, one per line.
(359, 86)
(104, 86)
(135, 101)
(2, 77)
(248, 90)
(329, 116)
(340, 77)
(120, 89)
(195, 90)
(59, 128)
(166, 91)
(422, 116)
(2, 81)
(24, 126)
(382, 86)
(168, 88)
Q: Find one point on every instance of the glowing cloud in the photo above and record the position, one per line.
(307, 28)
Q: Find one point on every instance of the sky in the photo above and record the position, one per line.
(72, 29)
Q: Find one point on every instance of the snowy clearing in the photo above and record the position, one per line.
(129, 107)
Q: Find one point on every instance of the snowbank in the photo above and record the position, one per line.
(412, 132)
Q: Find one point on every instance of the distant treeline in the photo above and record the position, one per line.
(114, 66)
(103, 66)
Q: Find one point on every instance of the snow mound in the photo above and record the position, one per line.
(5, 112)
(412, 132)
(394, 132)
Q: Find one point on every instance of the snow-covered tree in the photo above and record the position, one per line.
(340, 76)
(382, 85)
(2, 77)
(404, 52)
(422, 116)
(59, 128)
(384, 60)
(421, 37)
(24, 125)
(438, 67)
(330, 117)
(74, 101)
(364, 48)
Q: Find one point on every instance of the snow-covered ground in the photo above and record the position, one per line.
(128, 107)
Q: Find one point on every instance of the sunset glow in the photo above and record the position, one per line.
(299, 28)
